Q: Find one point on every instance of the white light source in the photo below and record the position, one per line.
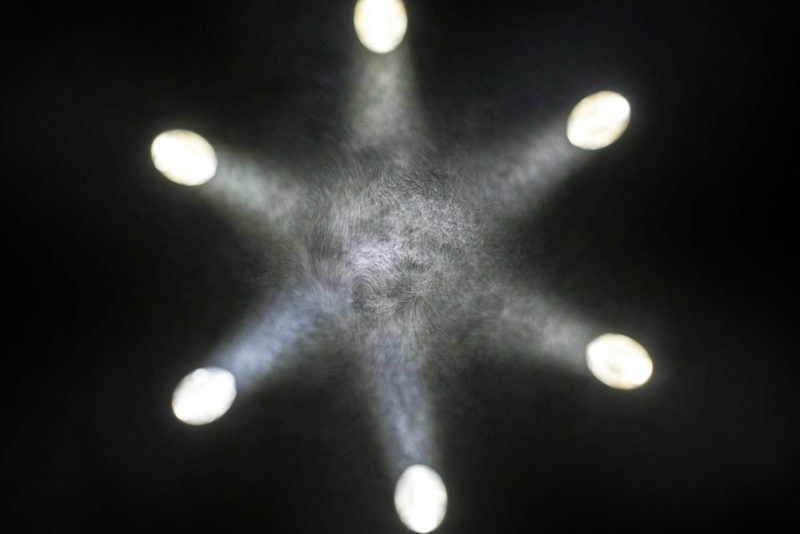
(380, 24)
(420, 498)
(619, 361)
(204, 395)
(184, 157)
(598, 120)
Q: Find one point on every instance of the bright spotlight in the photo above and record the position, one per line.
(204, 395)
(420, 498)
(619, 361)
(598, 120)
(380, 24)
(184, 157)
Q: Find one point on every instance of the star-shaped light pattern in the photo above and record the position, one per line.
(392, 259)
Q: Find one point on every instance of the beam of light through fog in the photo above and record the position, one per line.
(384, 105)
(386, 243)
(204, 395)
(184, 157)
(397, 262)
(253, 194)
(420, 498)
(530, 171)
(394, 382)
(270, 336)
(619, 361)
(529, 323)
(380, 24)
(598, 120)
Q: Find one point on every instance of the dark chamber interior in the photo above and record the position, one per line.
(122, 282)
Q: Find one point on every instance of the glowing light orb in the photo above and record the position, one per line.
(204, 395)
(380, 24)
(184, 157)
(619, 361)
(598, 120)
(420, 498)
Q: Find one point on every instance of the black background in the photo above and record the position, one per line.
(682, 232)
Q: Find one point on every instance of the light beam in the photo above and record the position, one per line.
(254, 194)
(270, 336)
(392, 368)
(384, 107)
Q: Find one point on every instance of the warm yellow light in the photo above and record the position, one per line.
(184, 157)
(380, 24)
(598, 120)
(420, 498)
(619, 361)
(204, 395)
